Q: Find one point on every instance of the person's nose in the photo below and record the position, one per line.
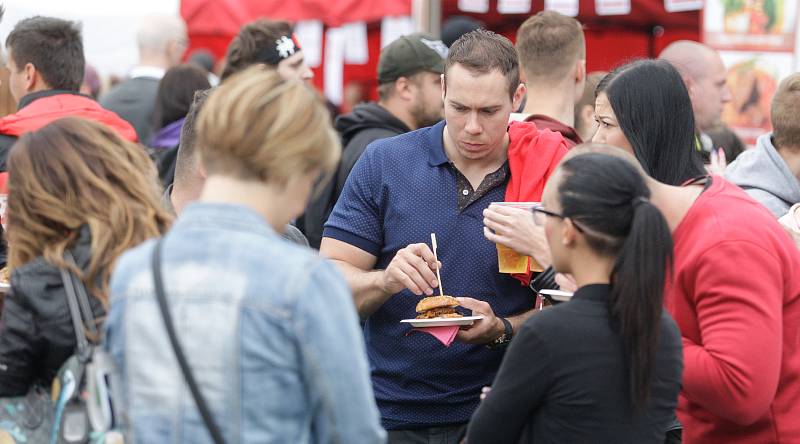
(308, 74)
(598, 136)
(726, 94)
(473, 126)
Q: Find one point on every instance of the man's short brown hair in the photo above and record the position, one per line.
(251, 40)
(54, 46)
(548, 45)
(186, 159)
(785, 109)
(482, 52)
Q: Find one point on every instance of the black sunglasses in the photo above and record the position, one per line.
(539, 211)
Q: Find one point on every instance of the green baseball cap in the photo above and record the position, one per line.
(409, 55)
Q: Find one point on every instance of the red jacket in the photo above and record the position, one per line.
(571, 137)
(533, 155)
(736, 299)
(53, 105)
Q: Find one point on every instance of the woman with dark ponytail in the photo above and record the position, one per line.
(606, 366)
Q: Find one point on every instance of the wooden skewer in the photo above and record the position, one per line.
(438, 276)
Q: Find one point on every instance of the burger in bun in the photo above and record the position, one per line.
(437, 307)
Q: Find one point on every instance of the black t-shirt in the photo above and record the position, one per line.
(565, 379)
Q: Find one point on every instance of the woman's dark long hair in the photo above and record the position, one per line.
(176, 93)
(654, 111)
(607, 197)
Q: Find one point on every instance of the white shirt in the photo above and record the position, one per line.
(147, 71)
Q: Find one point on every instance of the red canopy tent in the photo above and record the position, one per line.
(610, 40)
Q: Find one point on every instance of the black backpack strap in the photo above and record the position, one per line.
(158, 282)
(83, 298)
(75, 313)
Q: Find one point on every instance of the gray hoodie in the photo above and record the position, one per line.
(763, 174)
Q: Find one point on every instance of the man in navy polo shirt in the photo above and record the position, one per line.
(434, 180)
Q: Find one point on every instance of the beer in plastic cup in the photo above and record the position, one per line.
(508, 260)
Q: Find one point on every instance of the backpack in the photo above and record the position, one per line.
(82, 405)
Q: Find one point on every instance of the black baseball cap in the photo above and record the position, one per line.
(409, 55)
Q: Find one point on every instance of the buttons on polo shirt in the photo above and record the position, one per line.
(465, 192)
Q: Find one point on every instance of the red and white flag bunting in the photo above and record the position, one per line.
(612, 7)
(513, 6)
(566, 7)
(683, 5)
(392, 28)
(346, 44)
(309, 33)
(477, 6)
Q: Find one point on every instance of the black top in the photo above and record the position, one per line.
(564, 379)
(36, 333)
(368, 122)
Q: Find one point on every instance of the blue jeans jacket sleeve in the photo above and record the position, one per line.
(334, 354)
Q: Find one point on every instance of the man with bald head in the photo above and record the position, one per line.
(706, 79)
(162, 40)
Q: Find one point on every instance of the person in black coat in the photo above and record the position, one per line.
(606, 366)
(99, 198)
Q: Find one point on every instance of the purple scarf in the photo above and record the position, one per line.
(169, 136)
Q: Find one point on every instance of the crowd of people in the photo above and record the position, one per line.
(248, 259)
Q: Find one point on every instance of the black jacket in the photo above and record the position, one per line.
(368, 122)
(165, 159)
(36, 334)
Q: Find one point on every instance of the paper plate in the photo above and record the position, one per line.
(441, 322)
(558, 295)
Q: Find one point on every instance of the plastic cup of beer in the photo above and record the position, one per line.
(508, 260)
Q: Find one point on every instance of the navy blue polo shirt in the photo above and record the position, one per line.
(400, 191)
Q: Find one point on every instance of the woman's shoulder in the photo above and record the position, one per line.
(36, 288)
(550, 322)
(36, 270)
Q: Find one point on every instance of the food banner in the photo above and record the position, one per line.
(755, 25)
(753, 78)
(756, 40)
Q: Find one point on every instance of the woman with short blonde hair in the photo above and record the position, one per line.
(268, 328)
(291, 134)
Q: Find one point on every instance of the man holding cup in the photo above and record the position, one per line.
(436, 180)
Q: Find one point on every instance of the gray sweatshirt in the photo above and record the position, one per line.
(763, 174)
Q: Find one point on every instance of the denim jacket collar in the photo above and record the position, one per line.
(225, 217)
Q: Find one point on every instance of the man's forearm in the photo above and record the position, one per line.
(368, 294)
(518, 320)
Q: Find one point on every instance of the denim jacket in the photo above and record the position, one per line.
(269, 330)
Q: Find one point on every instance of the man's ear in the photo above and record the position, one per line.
(586, 114)
(32, 77)
(580, 71)
(580, 79)
(201, 170)
(691, 86)
(519, 94)
(444, 86)
(402, 88)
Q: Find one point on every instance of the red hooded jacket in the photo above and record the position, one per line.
(46, 108)
(533, 155)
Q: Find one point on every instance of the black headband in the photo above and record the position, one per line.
(283, 48)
